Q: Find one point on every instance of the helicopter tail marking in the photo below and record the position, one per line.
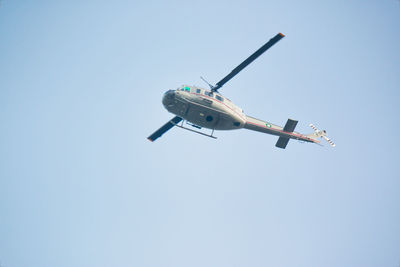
(289, 127)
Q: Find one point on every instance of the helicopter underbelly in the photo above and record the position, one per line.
(207, 115)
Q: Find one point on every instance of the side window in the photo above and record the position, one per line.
(219, 98)
(211, 94)
(198, 91)
(187, 89)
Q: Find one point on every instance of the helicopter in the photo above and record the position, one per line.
(202, 108)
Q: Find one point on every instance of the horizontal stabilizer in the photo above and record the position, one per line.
(290, 125)
(175, 120)
(282, 141)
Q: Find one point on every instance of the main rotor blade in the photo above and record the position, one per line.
(250, 59)
(166, 127)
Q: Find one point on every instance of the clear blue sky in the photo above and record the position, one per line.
(80, 90)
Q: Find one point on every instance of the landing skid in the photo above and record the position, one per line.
(182, 127)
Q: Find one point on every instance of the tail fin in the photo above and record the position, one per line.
(320, 133)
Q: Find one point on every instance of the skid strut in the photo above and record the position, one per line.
(208, 135)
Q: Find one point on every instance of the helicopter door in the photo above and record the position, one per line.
(202, 116)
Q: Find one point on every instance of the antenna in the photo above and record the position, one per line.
(322, 133)
(211, 86)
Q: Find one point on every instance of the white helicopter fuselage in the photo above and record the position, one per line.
(209, 109)
(204, 108)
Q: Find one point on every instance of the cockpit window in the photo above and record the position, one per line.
(219, 98)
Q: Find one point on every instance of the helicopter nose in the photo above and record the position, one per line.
(168, 97)
(169, 92)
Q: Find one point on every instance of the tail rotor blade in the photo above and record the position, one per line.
(312, 126)
(329, 141)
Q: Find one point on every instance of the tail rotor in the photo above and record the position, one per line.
(321, 133)
(329, 141)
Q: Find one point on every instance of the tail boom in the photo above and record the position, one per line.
(284, 133)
